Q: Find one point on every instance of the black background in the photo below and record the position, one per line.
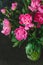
(13, 56)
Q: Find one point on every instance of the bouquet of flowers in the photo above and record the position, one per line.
(23, 23)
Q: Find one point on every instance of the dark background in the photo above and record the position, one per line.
(13, 56)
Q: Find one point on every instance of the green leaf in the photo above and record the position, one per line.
(41, 40)
(28, 2)
(34, 34)
(14, 40)
(23, 10)
(16, 44)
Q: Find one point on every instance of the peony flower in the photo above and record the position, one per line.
(20, 33)
(6, 31)
(3, 11)
(6, 27)
(34, 5)
(14, 5)
(40, 9)
(27, 27)
(38, 18)
(6, 22)
(26, 19)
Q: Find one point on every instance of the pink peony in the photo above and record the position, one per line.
(38, 18)
(34, 5)
(14, 5)
(6, 27)
(20, 33)
(6, 22)
(26, 19)
(40, 9)
(3, 11)
(27, 27)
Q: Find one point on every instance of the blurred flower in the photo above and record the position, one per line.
(38, 18)
(40, 9)
(34, 5)
(30, 25)
(6, 27)
(20, 33)
(3, 11)
(14, 5)
(26, 19)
